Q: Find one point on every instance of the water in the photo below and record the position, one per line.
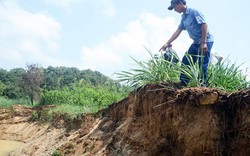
(7, 146)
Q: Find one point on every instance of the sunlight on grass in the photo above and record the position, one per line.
(156, 70)
(227, 76)
(224, 75)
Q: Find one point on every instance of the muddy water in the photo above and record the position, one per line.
(7, 146)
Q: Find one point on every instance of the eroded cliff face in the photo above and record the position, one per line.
(162, 120)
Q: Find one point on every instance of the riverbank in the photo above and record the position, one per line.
(152, 120)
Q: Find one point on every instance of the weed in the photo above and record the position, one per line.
(35, 116)
(57, 153)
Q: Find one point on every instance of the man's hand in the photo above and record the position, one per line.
(204, 48)
(165, 46)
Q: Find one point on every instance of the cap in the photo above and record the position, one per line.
(175, 2)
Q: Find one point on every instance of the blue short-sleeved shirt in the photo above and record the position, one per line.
(191, 21)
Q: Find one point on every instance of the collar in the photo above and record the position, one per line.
(187, 12)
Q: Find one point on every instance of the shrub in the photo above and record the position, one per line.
(91, 98)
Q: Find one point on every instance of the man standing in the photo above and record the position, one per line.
(194, 22)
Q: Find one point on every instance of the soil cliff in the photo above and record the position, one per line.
(156, 120)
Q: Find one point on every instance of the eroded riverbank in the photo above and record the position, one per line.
(151, 121)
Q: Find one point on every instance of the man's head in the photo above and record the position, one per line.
(176, 2)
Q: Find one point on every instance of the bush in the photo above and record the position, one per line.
(89, 97)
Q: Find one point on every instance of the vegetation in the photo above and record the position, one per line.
(57, 153)
(54, 78)
(5, 102)
(222, 75)
(70, 90)
(2, 88)
(90, 98)
(31, 81)
(155, 70)
(73, 91)
(227, 76)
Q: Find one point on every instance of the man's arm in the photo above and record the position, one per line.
(203, 38)
(172, 38)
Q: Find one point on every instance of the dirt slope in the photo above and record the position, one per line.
(151, 121)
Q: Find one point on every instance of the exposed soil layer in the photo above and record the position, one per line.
(154, 120)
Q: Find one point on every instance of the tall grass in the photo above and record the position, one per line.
(156, 70)
(4, 102)
(227, 76)
(193, 71)
(223, 75)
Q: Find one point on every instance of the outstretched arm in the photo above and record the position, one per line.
(172, 38)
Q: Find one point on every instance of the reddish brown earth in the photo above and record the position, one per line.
(153, 121)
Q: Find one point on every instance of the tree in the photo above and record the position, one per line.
(32, 81)
(11, 81)
(3, 75)
(2, 88)
(52, 79)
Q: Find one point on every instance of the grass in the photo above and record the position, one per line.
(156, 70)
(70, 102)
(227, 76)
(57, 153)
(193, 71)
(4, 102)
(224, 75)
(72, 111)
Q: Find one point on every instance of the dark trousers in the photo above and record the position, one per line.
(194, 51)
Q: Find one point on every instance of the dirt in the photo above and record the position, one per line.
(8, 146)
(156, 120)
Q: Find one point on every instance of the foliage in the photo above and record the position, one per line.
(55, 78)
(59, 77)
(72, 91)
(2, 88)
(156, 70)
(225, 75)
(11, 81)
(71, 111)
(35, 116)
(5, 102)
(193, 71)
(3, 75)
(57, 153)
(32, 80)
(90, 98)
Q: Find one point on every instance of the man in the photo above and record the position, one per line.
(194, 22)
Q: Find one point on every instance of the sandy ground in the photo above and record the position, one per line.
(7, 146)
